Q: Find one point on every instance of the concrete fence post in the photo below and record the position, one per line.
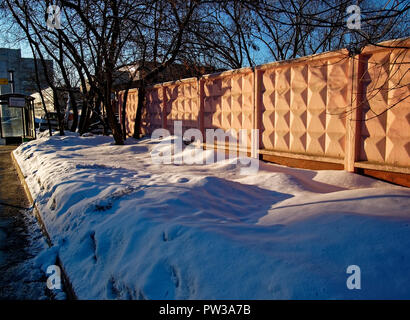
(353, 124)
(164, 106)
(257, 110)
(201, 95)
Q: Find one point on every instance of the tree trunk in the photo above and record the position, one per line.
(58, 110)
(75, 112)
(112, 120)
(138, 116)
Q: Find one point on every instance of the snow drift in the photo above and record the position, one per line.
(126, 228)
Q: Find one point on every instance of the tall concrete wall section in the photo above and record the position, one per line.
(333, 108)
(339, 86)
(228, 102)
(182, 104)
(152, 117)
(385, 131)
(303, 106)
(131, 110)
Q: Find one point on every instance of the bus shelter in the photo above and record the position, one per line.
(17, 120)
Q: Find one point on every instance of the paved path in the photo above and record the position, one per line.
(20, 238)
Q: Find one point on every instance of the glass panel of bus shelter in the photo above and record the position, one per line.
(11, 122)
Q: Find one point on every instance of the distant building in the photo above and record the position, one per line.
(48, 100)
(64, 101)
(24, 72)
(175, 71)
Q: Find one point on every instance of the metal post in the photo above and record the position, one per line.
(23, 122)
(1, 119)
(34, 119)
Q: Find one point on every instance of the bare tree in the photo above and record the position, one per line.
(97, 38)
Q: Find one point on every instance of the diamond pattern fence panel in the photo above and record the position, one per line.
(303, 106)
(228, 104)
(152, 116)
(130, 111)
(181, 100)
(385, 125)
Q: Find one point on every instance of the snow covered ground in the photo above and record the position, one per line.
(126, 228)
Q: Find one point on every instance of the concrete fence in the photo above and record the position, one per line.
(348, 112)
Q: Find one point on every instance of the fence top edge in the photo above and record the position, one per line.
(180, 81)
(382, 46)
(171, 83)
(388, 45)
(314, 58)
(227, 73)
(130, 91)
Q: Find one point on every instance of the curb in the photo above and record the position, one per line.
(66, 281)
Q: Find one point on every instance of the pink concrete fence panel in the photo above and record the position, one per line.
(302, 106)
(228, 102)
(330, 107)
(152, 117)
(182, 104)
(385, 135)
(131, 110)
